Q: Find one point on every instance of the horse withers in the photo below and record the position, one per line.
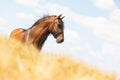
(40, 30)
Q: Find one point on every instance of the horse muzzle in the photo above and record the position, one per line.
(59, 40)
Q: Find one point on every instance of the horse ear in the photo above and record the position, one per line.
(62, 17)
(59, 16)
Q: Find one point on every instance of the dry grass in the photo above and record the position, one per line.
(22, 62)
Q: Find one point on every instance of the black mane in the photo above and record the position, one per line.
(41, 19)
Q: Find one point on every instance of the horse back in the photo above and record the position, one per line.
(17, 34)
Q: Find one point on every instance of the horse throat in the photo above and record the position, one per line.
(40, 37)
(42, 40)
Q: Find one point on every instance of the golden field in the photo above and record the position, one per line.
(23, 62)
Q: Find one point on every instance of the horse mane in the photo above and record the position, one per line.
(41, 19)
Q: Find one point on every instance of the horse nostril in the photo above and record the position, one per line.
(62, 40)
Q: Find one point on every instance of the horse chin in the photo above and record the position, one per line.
(58, 42)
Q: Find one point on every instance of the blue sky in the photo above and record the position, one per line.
(92, 31)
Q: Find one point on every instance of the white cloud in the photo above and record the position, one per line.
(115, 15)
(104, 4)
(73, 41)
(102, 27)
(3, 28)
(91, 53)
(23, 15)
(2, 21)
(72, 36)
(112, 50)
(111, 54)
(29, 3)
(52, 8)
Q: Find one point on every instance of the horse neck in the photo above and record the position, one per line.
(40, 35)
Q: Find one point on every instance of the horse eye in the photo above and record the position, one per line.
(59, 25)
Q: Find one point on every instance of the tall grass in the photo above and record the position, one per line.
(23, 62)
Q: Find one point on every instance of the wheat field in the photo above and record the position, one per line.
(23, 62)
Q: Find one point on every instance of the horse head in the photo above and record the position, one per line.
(57, 28)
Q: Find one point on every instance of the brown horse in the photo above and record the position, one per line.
(38, 33)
